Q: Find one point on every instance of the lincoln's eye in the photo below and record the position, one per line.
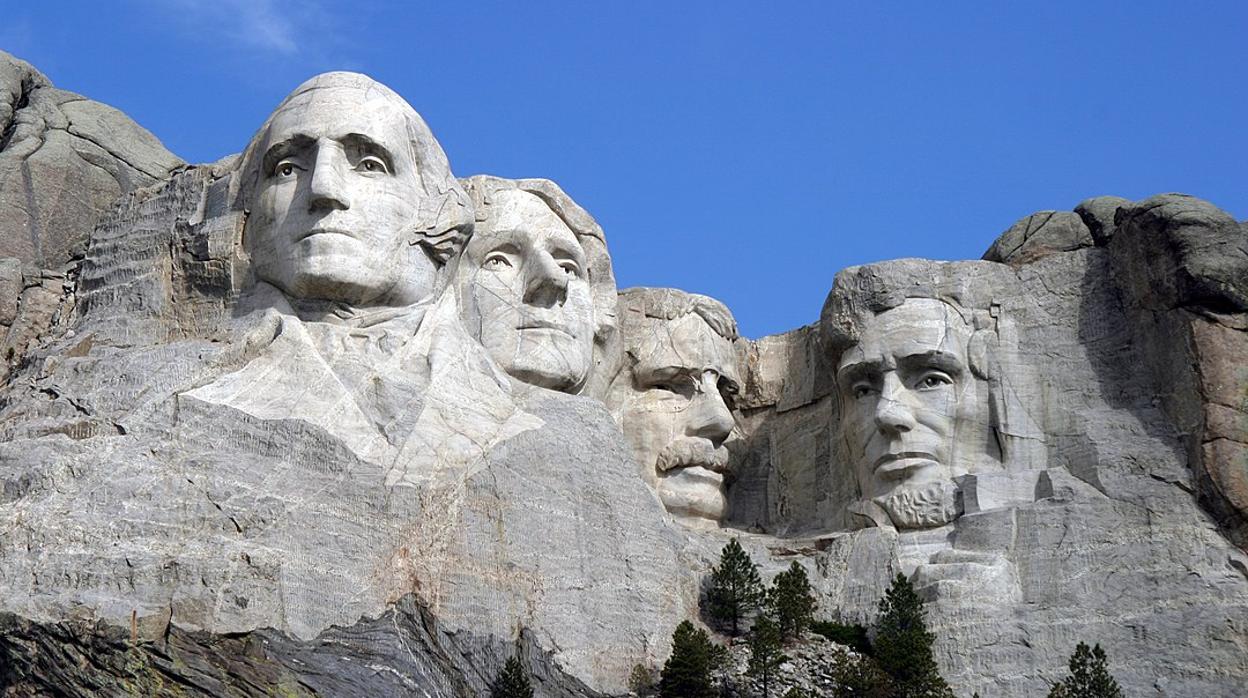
(934, 380)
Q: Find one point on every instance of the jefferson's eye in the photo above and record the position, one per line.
(372, 163)
(570, 267)
(932, 381)
(496, 261)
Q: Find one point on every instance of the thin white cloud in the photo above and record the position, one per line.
(269, 26)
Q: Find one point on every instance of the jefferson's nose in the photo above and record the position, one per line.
(892, 415)
(709, 417)
(327, 189)
(546, 283)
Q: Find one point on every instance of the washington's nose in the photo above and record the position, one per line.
(892, 415)
(709, 416)
(546, 283)
(327, 190)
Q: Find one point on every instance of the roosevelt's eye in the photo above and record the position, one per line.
(861, 390)
(933, 380)
(372, 163)
(496, 262)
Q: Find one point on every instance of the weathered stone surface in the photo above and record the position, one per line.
(1040, 234)
(64, 159)
(287, 429)
(1098, 214)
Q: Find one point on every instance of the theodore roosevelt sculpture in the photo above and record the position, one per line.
(673, 396)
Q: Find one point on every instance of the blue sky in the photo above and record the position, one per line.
(743, 150)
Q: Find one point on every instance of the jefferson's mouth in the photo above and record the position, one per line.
(544, 325)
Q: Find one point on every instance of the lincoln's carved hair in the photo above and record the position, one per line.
(445, 215)
(673, 303)
(865, 291)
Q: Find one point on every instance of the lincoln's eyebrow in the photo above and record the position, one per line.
(281, 149)
(942, 360)
(855, 370)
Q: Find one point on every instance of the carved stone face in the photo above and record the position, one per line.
(526, 293)
(677, 415)
(910, 409)
(336, 200)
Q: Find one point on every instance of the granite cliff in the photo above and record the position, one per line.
(324, 418)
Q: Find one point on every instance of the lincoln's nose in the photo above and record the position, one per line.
(893, 416)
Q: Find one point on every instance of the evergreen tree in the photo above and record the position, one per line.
(858, 676)
(765, 655)
(903, 646)
(736, 589)
(1089, 676)
(687, 672)
(512, 681)
(791, 602)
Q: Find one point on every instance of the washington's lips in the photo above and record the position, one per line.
(899, 464)
(324, 231)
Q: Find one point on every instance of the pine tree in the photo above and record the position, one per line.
(858, 676)
(736, 589)
(903, 646)
(512, 681)
(791, 602)
(1089, 676)
(765, 654)
(687, 672)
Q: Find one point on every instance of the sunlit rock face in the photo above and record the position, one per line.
(325, 403)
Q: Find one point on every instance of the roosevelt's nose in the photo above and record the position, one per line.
(709, 416)
(892, 415)
(546, 283)
(327, 190)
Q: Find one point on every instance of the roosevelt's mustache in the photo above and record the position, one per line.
(688, 451)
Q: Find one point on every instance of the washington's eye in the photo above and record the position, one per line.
(496, 261)
(285, 169)
(372, 163)
(932, 381)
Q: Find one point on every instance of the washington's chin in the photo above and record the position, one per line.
(694, 495)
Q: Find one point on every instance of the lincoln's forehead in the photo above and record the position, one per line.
(918, 326)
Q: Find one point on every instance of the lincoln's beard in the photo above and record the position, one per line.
(685, 451)
(927, 505)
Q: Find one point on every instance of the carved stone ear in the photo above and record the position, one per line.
(982, 354)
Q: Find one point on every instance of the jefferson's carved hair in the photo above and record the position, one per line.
(445, 216)
(673, 303)
(482, 190)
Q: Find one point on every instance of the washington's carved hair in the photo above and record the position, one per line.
(673, 303)
(444, 219)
